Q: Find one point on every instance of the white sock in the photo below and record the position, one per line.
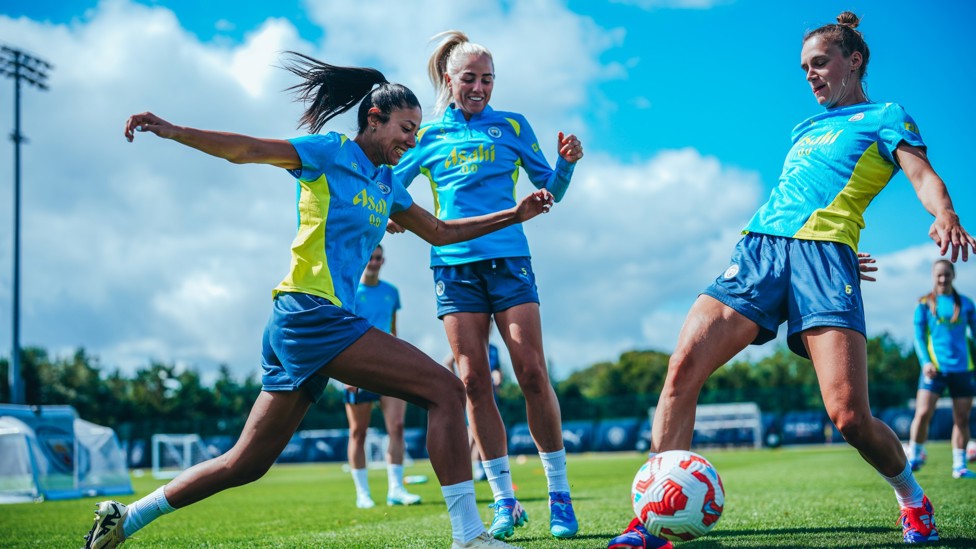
(907, 489)
(394, 475)
(463, 511)
(958, 458)
(915, 450)
(554, 464)
(145, 511)
(499, 475)
(359, 477)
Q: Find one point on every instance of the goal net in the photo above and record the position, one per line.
(172, 453)
(733, 424)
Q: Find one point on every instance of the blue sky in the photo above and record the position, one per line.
(150, 251)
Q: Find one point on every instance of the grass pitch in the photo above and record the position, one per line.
(808, 497)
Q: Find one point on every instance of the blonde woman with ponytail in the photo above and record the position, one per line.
(472, 156)
(945, 325)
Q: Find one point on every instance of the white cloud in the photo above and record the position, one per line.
(150, 250)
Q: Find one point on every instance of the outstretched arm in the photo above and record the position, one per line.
(236, 148)
(946, 230)
(439, 232)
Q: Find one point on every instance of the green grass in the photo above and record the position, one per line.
(796, 497)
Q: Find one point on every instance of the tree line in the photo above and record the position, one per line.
(161, 397)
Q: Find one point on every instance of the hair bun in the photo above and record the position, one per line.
(848, 19)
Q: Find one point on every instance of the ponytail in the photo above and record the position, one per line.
(329, 91)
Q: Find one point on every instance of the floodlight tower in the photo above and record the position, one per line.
(20, 66)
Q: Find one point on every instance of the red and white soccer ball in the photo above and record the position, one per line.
(678, 495)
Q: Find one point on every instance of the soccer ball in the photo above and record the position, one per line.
(971, 451)
(678, 495)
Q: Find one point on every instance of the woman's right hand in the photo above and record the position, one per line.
(929, 371)
(532, 205)
(147, 122)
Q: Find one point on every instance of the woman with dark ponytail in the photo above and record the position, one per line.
(797, 263)
(347, 193)
(945, 353)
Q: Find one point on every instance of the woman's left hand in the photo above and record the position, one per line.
(948, 234)
(865, 264)
(570, 148)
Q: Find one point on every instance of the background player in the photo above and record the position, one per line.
(377, 301)
(945, 352)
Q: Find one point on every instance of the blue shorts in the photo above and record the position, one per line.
(362, 396)
(960, 384)
(487, 286)
(806, 283)
(304, 333)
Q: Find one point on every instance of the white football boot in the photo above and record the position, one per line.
(107, 531)
(483, 541)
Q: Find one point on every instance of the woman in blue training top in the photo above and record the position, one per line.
(346, 194)
(378, 302)
(945, 353)
(471, 157)
(797, 263)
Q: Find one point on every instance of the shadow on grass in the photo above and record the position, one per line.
(794, 538)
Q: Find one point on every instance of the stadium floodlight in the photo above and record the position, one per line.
(20, 66)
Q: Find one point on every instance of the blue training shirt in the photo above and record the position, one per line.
(378, 304)
(941, 341)
(473, 166)
(840, 160)
(344, 202)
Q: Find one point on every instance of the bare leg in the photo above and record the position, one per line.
(924, 410)
(384, 364)
(358, 416)
(521, 329)
(712, 334)
(393, 411)
(840, 358)
(468, 336)
(960, 421)
(273, 420)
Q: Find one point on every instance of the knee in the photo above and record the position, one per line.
(395, 428)
(852, 425)
(357, 435)
(683, 378)
(477, 387)
(451, 393)
(247, 469)
(534, 379)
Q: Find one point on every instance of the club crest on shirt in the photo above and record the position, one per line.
(384, 188)
(494, 132)
(731, 271)
(856, 117)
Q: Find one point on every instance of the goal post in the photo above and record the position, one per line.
(728, 424)
(173, 453)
